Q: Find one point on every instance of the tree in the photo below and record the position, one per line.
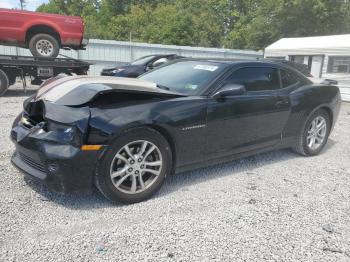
(275, 19)
(164, 24)
(252, 24)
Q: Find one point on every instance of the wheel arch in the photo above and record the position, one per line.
(166, 134)
(329, 112)
(163, 131)
(41, 28)
(325, 108)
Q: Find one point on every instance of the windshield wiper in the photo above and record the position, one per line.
(163, 87)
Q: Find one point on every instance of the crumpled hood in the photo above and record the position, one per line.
(67, 100)
(79, 90)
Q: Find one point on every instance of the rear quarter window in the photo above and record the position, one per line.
(289, 78)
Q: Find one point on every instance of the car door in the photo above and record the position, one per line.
(290, 81)
(250, 121)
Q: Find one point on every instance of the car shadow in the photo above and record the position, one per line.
(72, 201)
(175, 182)
(248, 165)
(330, 144)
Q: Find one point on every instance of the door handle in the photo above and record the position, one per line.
(282, 102)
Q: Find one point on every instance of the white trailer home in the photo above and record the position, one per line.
(326, 56)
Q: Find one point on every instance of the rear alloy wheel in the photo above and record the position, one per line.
(44, 45)
(314, 135)
(135, 166)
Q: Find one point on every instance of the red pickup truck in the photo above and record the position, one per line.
(44, 34)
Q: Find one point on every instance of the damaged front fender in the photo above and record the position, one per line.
(56, 123)
(49, 147)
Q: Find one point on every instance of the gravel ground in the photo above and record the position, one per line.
(276, 206)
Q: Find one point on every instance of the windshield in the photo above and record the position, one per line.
(186, 77)
(143, 60)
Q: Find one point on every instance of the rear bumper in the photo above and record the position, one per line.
(61, 167)
(336, 109)
(82, 46)
(84, 42)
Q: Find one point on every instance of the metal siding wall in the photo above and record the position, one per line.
(103, 53)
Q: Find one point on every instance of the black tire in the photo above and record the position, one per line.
(103, 180)
(4, 82)
(301, 146)
(53, 47)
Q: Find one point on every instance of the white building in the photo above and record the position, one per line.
(326, 56)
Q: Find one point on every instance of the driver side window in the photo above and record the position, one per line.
(256, 78)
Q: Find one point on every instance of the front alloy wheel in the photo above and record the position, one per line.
(136, 167)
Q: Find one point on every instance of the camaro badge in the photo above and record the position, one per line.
(192, 127)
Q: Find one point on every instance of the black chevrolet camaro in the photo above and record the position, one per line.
(126, 135)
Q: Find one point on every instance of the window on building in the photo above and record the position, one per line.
(256, 78)
(301, 59)
(276, 57)
(339, 64)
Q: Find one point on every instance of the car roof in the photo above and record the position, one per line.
(156, 55)
(234, 61)
(247, 62)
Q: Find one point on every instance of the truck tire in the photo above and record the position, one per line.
(4, 82)
(44, 45)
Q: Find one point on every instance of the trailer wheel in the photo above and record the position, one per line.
(44, 45)
(4, 82)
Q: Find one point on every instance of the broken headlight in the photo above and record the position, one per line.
(66, 133)
(51, 126)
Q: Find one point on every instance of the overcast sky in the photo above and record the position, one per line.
(30, 4)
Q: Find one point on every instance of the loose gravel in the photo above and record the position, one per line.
(276, 206)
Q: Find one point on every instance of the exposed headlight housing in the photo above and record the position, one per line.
(67, 133)
(52, 126)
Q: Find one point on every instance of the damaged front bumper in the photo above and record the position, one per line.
(52, 158)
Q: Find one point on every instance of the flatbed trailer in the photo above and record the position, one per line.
(38, 69)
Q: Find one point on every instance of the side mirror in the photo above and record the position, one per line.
(329, 82)
(230, 90)
(156, 64)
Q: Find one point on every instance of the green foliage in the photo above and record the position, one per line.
(251, 24)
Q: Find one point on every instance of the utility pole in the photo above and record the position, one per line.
(22, 2)
(130, 43)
